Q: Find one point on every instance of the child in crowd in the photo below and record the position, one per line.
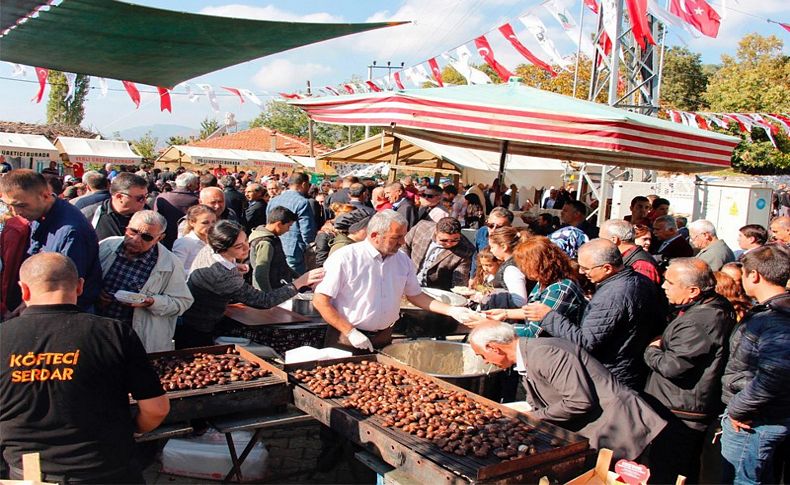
(487, 266)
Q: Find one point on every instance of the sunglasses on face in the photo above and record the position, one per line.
(138, 198)
(143, 235)
(492, 225)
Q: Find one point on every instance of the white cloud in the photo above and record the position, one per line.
(269, 12)
(436, 26)
(285, 74)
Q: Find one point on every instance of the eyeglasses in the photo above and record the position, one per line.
(449, 241)
(493, 225)
(143, 235)
(138, 198)
(587, 270)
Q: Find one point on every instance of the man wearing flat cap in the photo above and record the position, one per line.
(349, 228)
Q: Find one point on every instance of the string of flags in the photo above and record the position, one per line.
(770, 123)
(695, 16)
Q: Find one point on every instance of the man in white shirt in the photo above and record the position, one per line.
(360, 296)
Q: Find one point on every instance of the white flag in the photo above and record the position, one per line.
(463, 64)
(539, 31)
(251, 96)
(418, 76)
(609, 12)
(18, 70)
(670, 19)
(193, 98)
(71, 80)
(103, 87)
(716, 120)
(212, 98)
(560, 12)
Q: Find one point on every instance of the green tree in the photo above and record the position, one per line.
(562, 83)
(145, 146)
(757, 79)
(59, 110)
(683, 80)
(207, 127)
(177, 140)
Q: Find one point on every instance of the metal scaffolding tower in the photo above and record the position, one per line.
(631, 78)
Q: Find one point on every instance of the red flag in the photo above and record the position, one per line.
(41, 74)
(236, 92)
(290, 95)
(164, 99)
(396, 76)
(133, 92)
(510, 35)
(640, 27)
(701, 121)
(592, 4)
(606, 45)
(484, 49)
(349, 88)
(697, 13)
(373, 87)
(437, 73)
(735, 120)
(675, 116)
(785, 26)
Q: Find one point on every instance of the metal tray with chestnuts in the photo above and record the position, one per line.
(417, 405)
(203, 369)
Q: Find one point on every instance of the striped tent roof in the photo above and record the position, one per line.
(534, 122)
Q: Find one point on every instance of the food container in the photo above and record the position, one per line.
(302, 304)
(453, 362)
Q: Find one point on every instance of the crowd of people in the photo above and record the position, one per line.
(645, 335)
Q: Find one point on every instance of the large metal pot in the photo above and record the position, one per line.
(453, 362)
(302, 304)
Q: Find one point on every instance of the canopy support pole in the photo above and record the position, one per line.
(394, 160)
(501, 175)
(310, 136)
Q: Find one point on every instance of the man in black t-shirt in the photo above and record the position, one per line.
(65, 380)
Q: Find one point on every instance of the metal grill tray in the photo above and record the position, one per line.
(217, 400)
(424, 460)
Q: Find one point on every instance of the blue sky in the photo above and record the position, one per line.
(437, 26)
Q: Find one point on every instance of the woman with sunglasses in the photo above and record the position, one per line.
(216, 280)
(199, 220)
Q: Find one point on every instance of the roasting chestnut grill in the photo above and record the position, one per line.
(432, 430)
(212, 381)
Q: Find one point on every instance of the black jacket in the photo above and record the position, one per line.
(105, 220)
(756, 381)
(406, 209)
(255, 215)
(235, 200)
(618, 323)
(686, 369)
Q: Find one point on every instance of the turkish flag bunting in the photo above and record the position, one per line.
(640, 27)
(290, 95)
(373, 86)
(349, 88)
(697, 13)
(396, 76)
(785, 26)
(733, 119)
(606, 45)
(675, 116)
(236, 92)
(133, 92)
(437, 73)
(510, 35)
(164, 99)
(41, 74)
(701, 121)
(592, 4)
(484, 49)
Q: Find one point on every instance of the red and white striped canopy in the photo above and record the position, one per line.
(535, 123)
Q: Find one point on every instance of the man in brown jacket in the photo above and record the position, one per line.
(441, 255)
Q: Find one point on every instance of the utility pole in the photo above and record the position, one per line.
(389, 67)
(310, 126)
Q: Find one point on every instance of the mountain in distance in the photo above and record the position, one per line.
(163, 132)
(160, 131)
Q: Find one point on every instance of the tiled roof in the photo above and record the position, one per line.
(260, 139)
(51, 131)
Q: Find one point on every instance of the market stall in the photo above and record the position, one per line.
(203, 158)
(77, 153)
(27, 151)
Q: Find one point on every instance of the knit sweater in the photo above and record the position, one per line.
(214, 286)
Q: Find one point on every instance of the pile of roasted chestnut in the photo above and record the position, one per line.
(200, 370)
(418, 406)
